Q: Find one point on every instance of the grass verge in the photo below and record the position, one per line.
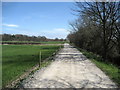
(111, 70)
(17, 59)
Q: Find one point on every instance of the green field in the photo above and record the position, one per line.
(54, 42)
(17, 59)
(41, 42)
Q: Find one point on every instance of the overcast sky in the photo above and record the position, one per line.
(50, 19)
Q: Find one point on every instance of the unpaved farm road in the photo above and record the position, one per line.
(71, 69)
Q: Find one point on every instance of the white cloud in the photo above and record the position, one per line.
(55, 33)
(60, 30)
(10, 25)
(57, 30)
(18, 31)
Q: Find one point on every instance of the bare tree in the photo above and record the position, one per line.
(105, 14)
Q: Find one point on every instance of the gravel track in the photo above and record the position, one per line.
(71, 69)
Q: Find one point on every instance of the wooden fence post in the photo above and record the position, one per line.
(40, 59)
(119, 72)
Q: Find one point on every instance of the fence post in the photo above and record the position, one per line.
(40, 59)
(119, 71)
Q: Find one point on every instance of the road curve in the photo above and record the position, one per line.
(71, 69)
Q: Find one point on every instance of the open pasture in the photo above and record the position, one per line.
(32, 42)
(17, 59)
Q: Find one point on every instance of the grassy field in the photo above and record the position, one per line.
(111, 70)
(54, 42)
(17, 59)
(42, 42)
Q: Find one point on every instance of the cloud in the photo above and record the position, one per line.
(18, 31)
(60, 29)
(10, 25)
(55, 33)
(57, 30)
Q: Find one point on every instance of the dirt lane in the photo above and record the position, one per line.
(70, 69)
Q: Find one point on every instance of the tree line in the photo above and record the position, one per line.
(20, 37)
(97, 29)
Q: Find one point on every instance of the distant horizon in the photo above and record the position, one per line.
(32, 35)
(49, 19)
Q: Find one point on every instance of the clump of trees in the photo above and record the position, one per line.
(20, 37)
(97, 29)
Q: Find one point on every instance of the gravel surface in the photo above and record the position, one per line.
(71, 69)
